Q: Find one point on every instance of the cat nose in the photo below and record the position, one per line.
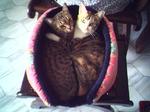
(90, 29)
(69, 28)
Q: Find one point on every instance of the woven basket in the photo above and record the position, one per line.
(36, 74)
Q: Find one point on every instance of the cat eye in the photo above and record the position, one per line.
(88, 17)
(63, 27)
(67, 17)
(61, 22)
(91, 24)
(83, 20)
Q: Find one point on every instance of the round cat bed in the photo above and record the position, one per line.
(37, 76)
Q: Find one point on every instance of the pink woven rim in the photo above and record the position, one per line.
(110, 74)
(112, 69)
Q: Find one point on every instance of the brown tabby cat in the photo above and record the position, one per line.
(58, 62)
(62, 23)
(60, 71)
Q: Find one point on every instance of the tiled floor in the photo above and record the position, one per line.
(15, 28)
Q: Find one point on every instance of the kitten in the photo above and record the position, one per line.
(87, 22)
(88, 53)
(59, 66)
(62, 23)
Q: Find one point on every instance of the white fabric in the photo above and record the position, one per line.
(84, 108)
(36, 104)
(77, 2)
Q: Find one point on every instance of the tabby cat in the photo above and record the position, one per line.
(87, 22)
(89, 56)
(62, 23)
(58, 63)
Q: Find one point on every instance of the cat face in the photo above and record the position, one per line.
(88, 22)
(62, 21)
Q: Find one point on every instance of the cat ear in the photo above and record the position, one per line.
(100, 14)
(49, 21)
(82, 9)
(65, 8)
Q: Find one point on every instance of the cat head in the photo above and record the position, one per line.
(62, 21)
(87, 21)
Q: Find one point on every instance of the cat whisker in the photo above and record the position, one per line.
(92, 35)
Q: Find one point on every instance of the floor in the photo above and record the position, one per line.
(15, 29)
